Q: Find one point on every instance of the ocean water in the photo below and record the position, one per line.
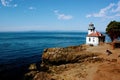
(22, 48)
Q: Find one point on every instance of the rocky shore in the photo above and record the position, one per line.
(82, 62)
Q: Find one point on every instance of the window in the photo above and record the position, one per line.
(89, 39)
(93, 40)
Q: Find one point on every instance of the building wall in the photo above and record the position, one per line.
(90, 31)
(92, 40)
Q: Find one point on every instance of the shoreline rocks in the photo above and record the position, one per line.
(56, 60)
(58, 56)
(80, 62)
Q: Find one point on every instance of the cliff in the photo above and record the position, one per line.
(73, 54)
(81, 62)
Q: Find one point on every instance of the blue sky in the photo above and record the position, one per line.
(60, 15)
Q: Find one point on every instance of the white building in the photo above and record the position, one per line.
(94, 37)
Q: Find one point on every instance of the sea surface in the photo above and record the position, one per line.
(18, 49)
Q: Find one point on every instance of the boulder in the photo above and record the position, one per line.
(33, 67)
(58, 56)
(42, 76)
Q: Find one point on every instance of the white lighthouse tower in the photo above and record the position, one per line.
(91, 28)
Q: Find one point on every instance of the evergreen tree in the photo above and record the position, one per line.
(113, 30)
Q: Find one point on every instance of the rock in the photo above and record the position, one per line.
(58, 56)
(114, 60)
(30, 75)
(76, 63)
(33, 67)
(57, 60)
(42, 76)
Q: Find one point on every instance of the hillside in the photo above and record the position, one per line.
(81, 62)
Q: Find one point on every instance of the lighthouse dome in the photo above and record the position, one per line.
(91, 26)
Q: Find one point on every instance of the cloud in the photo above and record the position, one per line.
(89, 15)
(62, 16)
(7, 3)
(110, 11)
(31, 8)
(117, 15)
(15, 5)
(117, 9)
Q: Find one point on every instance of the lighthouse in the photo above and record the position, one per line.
(94, 37)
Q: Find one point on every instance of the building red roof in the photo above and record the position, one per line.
(95, 34)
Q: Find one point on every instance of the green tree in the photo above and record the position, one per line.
(113, 30)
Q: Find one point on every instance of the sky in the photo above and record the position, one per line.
(57, 15)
